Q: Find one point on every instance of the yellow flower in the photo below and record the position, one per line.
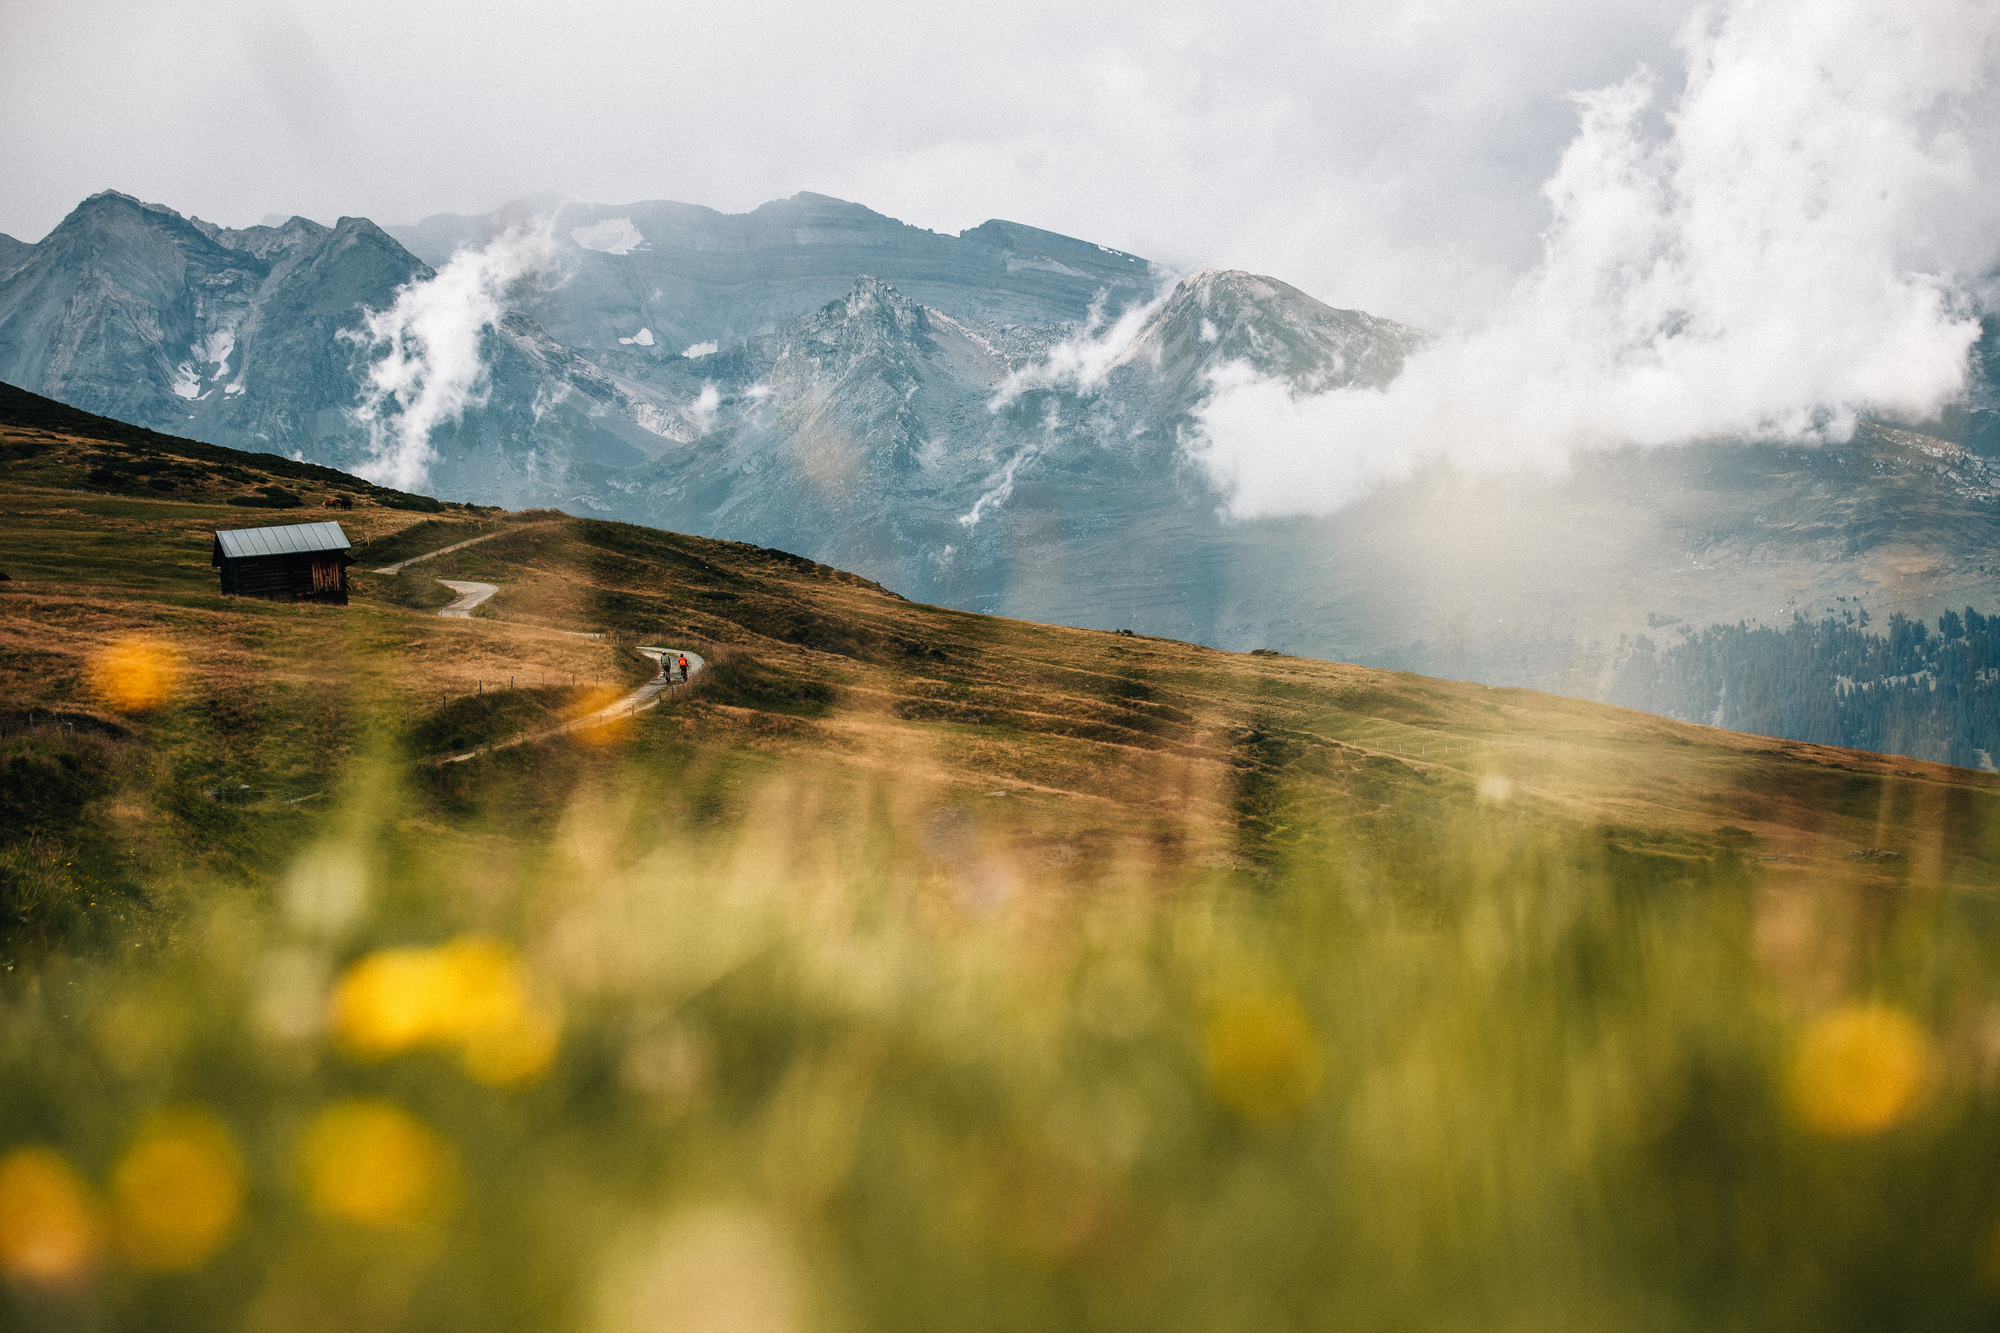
(1860, 1070)
(372, 1162)
(512, 1053)
(389, 1001)
(1264, 1062)
(135, 674)
(48, 1227)
(177, 1192)
(468, 993)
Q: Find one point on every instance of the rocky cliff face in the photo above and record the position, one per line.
(1215, 317)
(685, 275)
(246, 338)
(13, 254)
(1035, 472)
(134, 311)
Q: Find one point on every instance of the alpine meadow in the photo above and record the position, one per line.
(1407, 739)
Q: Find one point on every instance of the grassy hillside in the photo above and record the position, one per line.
(61, 445)
(922, 969)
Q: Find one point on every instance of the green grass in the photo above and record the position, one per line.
(924, 970)
(426, 535)
(835, 1037)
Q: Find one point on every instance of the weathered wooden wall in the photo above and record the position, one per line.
(319, 577)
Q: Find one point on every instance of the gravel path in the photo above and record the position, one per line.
(469, 596)
(458, 546)
(646, 696)
(638, 701)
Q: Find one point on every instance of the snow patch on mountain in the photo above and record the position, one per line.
(213, 350)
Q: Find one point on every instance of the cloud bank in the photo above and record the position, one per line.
(1780, 247)
(426, 353)
(1358, 151)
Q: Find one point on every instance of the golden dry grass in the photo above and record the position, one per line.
(1151, 738)
(927, 970)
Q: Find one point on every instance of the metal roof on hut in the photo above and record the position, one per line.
(300, 562)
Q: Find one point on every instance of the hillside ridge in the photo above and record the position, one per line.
(1212, 751)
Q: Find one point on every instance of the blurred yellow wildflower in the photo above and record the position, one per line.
(1860, 1070)
(1264, 1062)
(177, 1192)
(468, 993)
(134, 675)
(608, 731)
(514, 1052)
(372, 1162)
(48, 1226)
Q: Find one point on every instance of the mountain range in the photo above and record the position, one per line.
(687, 275)
(995, 421)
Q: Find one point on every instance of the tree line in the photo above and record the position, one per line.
(1928, 694)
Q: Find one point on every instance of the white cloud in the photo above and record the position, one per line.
(1000, 486)
(1775, 257)
(427, 352)
(613, 236)
(706, 404)
(643, 338)
(698, 350)
(1084, 361)
(1382, 156)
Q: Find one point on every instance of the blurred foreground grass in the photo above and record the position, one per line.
(922, 970)
(843, 1059)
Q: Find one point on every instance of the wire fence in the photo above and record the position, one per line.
(53, 726)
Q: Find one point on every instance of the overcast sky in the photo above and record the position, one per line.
(1381, 155)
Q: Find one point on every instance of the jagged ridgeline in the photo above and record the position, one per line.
(257, 337)
(942, 415)
(914, 968)
(1930, 694)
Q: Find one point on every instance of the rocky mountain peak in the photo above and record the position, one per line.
(690, 275)
(262, 241)
(1218, 316)
(872, 319)
(117, 199)
(1031, 247)
(870, 297)
(109, 213)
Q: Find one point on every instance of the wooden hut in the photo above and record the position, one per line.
(301, 562)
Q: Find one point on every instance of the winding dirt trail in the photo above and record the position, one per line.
(646, 696)
(400, 565)
(469, 596)
(638, 701)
